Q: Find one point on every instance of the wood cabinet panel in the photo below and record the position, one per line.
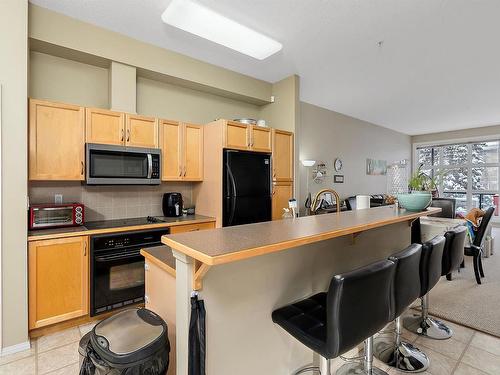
(141, 131)
(283, 161)
(171, 144)
(282, 192)
(191, 227)
(260, 139)
(56, 141)
(237, 136)
(107, 127)
(58, 272)
(193, 152)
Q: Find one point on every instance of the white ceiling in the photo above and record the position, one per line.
(438, 67)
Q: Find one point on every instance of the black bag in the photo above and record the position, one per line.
(196, 364)
(132, 342)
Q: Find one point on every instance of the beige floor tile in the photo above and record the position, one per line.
(57, 339)
(17, 356)
(86, 328)
(439, 364)
(57, 358)
(450, 348)
(73, 369)
(24, 366)
(486, 342)
(482, 360)
(464, 369)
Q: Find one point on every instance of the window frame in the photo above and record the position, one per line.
(469, 192)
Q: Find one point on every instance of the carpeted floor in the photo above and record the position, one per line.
(464, 302)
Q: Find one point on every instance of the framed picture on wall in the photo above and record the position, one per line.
(376, 167)
(338, 179)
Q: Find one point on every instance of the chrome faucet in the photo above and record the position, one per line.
(314, 204)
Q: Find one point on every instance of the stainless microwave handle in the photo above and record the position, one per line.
(150, 166)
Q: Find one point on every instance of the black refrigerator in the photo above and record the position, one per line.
(246, 188)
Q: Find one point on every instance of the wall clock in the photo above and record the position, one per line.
(338, 165)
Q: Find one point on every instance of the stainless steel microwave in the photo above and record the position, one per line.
(120, 165)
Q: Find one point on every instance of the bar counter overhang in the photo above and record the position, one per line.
(245, 272)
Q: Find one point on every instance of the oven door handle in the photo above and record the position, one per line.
(150, 166)
(107, 258)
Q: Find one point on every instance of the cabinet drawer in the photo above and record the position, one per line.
(191, 227)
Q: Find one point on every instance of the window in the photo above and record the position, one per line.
(468, 172)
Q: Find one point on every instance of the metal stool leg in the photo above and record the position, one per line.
(366, 367)
(399, 354)
(424, 325)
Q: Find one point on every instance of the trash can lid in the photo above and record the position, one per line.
(127, 336)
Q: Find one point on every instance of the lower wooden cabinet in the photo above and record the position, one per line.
(58, 277)
(282, 193)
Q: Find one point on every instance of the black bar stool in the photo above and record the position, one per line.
(430, 272)
(453, 254)
(397, 353)
(357, 305)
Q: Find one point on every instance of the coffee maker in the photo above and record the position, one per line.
(172, 204)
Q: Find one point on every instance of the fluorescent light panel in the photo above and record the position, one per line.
(204, 22)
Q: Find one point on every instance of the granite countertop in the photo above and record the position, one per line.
(43, 234)
(229, 244)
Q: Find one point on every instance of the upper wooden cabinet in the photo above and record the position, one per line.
(56, 141)
(236, 135)
(260, 139)
(246, 137)
(141, 131)
(182, 151)
(192, 152)
(58, 278)
(117, 128)
(283, 161)
(104, 126)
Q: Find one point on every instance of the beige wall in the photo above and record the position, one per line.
(178, 103)
(54, 28)
(283, 113)
(13, 78)
(63, 80)
(325, 135)
(486, 131)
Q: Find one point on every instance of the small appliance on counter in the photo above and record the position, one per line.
(42, 216)
(172, 204)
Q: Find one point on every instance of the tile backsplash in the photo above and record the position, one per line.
(110, 202)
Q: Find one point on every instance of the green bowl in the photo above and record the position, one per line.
(416, 201)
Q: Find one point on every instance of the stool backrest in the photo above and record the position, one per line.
(359, 304)
(431, 263)
(447, 206)
(478, 240)
(407, 278)
(453, 253)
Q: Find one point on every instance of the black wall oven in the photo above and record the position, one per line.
(117, 268)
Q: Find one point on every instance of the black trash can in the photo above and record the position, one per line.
(132, 342)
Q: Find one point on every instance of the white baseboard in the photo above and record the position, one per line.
(15, 348)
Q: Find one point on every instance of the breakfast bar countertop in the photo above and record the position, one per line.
(230, 244)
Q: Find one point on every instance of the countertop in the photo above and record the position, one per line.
(161, 256)
(45, 234)
(224, 245)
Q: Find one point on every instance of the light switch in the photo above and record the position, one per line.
(58, 198)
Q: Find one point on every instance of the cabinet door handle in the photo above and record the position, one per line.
(185, 171)
(128, 135)
(85, 249)
(180, 171)
(83, 168)
(122, 135)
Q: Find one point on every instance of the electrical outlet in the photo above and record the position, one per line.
(58, 198)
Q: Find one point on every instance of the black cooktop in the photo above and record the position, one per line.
(91, 225)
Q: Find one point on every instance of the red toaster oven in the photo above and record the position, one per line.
(56, 215)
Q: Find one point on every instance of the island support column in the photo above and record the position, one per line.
(184, 267)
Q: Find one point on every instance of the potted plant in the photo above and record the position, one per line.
(422, 188)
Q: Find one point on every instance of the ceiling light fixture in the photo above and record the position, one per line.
(204, 22)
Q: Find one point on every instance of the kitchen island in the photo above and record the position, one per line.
(245, 272)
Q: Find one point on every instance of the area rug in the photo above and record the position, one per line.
(464, 302)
